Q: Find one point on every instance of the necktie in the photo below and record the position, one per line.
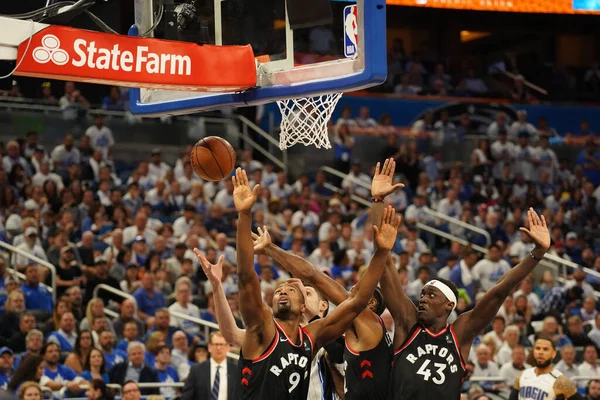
(214, 393)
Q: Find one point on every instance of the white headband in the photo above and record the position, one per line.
(445, 289)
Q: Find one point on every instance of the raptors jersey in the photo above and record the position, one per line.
(282, 371)
(367, 373)
(537, 387)
(427, 366)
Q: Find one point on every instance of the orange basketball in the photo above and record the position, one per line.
(212, 158)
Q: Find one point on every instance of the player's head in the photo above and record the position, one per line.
(316, 301)
(376, 302)
(289, 299)
(544, 351)
(438, 299)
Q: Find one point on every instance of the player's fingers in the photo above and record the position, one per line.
(538, 221)
(221, 259)
(527, 231)
(376, 230)
(255, 190)
(234, 181)
(392, 166)
(377, 168)
(384, 217)
(398, 221)
(398, 186)
(260, 231)
(254, 236)
(544, 222)
(386, 165)
(265, 229)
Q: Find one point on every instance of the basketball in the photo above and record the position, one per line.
(212, 158)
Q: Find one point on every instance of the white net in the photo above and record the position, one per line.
(304, 120)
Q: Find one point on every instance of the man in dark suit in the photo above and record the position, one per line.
(215, 379)
(134, 369)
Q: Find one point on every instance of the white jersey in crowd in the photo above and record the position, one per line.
(537, 387)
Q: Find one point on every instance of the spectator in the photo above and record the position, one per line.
(130, 334)
(475, 84)
(13, 157)
(6, 366)
(66, 335)
(140, 228)
(183, 305)
(356, 180)
(72, 103)
(163, 319)
(113, 102)
(589, 367)
(485, 367)
(157, 169)
(589, 160)
(101, 137)
(514, 367)
(47, 96)
(450, 205)
(405, 87)
(149, 300)
(83, 345)
(179, 355)
(166, 373)
(65, 155)
(566, 365)
(95, 367)
(134, 370)
(17, 342)
(37, 297)
(57, 376)
(101, 270)
(593, 390)
(33, 345)
(489, 270)
(106, 342)
(364, 120)
(576, 333)
(127, 315)
(413, 291)
(30, 369)
(506, 350)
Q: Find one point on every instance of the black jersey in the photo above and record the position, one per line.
(428, 366)
(368, 372)
(281, 372)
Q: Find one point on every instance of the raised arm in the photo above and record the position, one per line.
(469, 324)
(401, 307)
(225, 319)
(300, 268)
(335, 324)
(260, 328)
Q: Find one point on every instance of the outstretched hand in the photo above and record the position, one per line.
(214, 272)
(538, 230)
(262, 240)
(243, 197)
(385, 236)
(382, 184)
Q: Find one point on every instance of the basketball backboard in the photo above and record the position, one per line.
(345, 54)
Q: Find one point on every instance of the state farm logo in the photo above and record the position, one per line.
(50, 50)
(111, 56)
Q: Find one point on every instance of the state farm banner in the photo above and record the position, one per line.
(59, 52)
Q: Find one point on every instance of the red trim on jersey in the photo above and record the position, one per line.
(409, 341)
(310, 339)
(356, 353)
(286, 336)
(270, 350)
(462, 363)
(436, 334)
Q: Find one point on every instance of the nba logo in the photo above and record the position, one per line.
(350, 30)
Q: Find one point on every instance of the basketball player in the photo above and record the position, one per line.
(276, 351)
(322, 378)
(430, 353)
(543, 382)
(368, 350)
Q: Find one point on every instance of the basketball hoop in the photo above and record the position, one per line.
(304, 120)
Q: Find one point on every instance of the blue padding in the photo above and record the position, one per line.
(375, 73)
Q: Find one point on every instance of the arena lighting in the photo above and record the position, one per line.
(524, 6)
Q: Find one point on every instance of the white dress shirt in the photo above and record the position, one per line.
(222, 377)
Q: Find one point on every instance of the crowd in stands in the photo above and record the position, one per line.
(68, 207)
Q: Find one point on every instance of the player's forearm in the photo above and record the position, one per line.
(245, 249)
(513, 277)
(306, 272)
(225, 318)
(370, 279)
